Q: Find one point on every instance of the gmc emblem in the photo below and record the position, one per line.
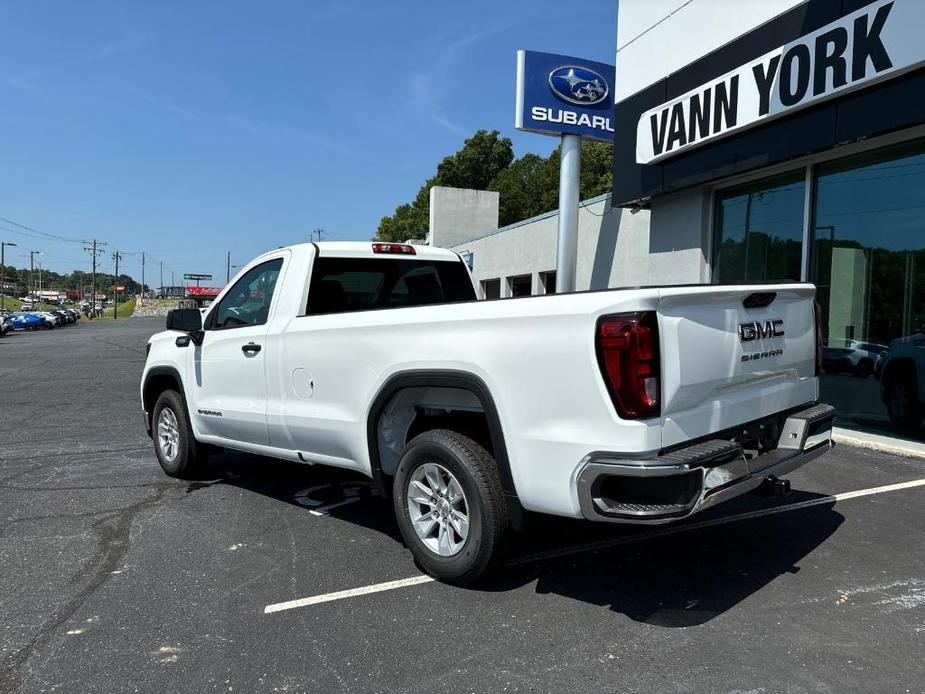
(749, 332)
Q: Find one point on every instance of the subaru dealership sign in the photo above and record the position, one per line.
(557, 95)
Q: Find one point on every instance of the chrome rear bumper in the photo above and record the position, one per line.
(685, 481)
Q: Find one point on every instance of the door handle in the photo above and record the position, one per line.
(250, 348)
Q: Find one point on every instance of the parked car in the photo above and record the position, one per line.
(50, 320)
(26, 321)
(638, 405)
(865, 357)
(902, 382)
(6, 325)
(65, 316)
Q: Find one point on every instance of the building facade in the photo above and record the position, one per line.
(789, 136)
(613, 251)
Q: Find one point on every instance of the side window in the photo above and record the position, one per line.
(248, 301)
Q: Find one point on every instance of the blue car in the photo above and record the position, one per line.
(25, 321)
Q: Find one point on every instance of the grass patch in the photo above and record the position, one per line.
(124, 310)
(11, 303)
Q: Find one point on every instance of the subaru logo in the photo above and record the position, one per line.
(578, 85)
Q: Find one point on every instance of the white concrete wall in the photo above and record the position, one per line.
(457, 214)
(680, 240)
(658, 37)
(614, 249)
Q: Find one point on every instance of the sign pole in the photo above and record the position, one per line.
(567, 245)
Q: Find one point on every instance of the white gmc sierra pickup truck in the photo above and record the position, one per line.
(641, 405)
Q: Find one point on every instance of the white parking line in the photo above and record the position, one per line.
(352, 592)
(603, 544)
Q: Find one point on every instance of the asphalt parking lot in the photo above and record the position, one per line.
(115, 578)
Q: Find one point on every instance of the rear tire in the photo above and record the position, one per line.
(903, 406)
(174, 445)
(450, 506)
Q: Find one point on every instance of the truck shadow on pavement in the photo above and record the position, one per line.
(688, 578)
(678, 580)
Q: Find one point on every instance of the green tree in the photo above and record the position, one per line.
(480, 159)
(596, 170)
(523, 187)
(528, 186)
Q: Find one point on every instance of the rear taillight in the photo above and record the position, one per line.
(627, 351)
(396, 248)
(817, 322)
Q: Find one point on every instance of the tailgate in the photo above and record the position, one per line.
(724, 364)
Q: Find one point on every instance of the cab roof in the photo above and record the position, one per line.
(364, 249)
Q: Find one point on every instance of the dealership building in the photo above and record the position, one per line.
(757, 141)
(785, 140)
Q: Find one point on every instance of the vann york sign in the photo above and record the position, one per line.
(880, 41)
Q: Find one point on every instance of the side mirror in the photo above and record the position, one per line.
(186, 320)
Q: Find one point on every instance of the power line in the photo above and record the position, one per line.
(45, 234)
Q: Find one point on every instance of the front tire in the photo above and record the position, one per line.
(174, 445)
(450, 506)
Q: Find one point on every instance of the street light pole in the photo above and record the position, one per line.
(3, 245)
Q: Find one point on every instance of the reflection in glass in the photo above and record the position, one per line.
(759, 231)
(868, 261)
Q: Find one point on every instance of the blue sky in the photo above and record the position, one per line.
(189, 129)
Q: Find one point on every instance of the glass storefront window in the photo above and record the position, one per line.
(868, 262)
(759, 230)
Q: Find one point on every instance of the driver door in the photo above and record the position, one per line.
(230, 398)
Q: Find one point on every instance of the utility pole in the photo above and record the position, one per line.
(142, 278)
(228, 268)
(317, 234)
(115, 291)
(3, 245)
(94, 252)
(32, 290)
(162, 275)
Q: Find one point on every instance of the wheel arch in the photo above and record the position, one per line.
(157, 380)
(460, 380)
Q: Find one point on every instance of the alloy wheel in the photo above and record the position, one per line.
(438, 509)
(168, 434)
